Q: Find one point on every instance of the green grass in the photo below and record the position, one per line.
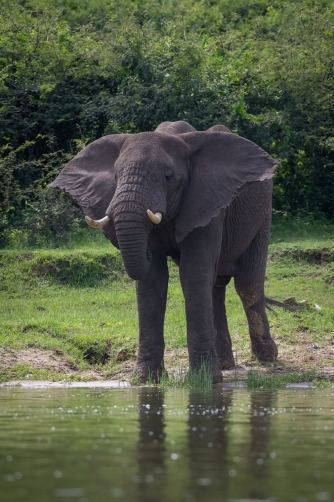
(288, 229)
(26, 372)
(80, 302)
(257, 380)
(301, 238)
(83, 238)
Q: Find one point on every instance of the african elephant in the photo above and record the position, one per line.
(204, 199)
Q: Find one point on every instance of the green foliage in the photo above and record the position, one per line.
(76, 269)
(71, 72)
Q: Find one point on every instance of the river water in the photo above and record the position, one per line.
(149, 444)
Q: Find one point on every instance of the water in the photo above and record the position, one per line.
(147, 444)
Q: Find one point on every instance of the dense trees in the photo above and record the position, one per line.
(73, 71)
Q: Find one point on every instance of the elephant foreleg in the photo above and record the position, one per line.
(223, 339)
(198, 270)
(151, 300)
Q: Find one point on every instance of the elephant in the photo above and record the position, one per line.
(202, 198)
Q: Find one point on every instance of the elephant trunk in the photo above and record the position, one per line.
(132, 229)
(135, 209)
(135, 252)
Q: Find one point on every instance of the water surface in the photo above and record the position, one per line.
(147, 444)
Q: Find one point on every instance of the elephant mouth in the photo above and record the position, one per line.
(149, 255)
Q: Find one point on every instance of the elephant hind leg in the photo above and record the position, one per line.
(222, 335)
(263, 346)
(249, 284)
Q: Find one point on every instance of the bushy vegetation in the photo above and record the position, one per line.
(72, 71)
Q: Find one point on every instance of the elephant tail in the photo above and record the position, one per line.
(270, 303)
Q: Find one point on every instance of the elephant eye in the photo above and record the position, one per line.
(168, 175)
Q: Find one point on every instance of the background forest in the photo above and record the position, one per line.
(74, 70)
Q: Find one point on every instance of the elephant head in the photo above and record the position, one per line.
(127, 184)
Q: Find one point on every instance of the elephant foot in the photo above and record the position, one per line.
(143, 373)
(226, 364)
(265, 351)
(217, 376)
(224, 352)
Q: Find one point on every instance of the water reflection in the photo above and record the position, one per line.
(207, 435)
(151, 445)
(260, 414)
(212, 462)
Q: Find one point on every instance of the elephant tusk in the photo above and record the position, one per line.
(97, 223)
(155, 218)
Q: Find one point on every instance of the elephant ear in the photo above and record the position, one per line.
(222, 165)
(89, 177)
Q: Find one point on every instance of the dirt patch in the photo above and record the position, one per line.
(54, 361)
(298, 357)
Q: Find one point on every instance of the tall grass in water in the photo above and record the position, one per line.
(186, 377)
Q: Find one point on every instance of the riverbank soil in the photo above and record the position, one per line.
(294, 359)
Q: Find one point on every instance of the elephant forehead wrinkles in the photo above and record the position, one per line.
(135, 172)
(152, 165)
(134, 187)
(144, 149)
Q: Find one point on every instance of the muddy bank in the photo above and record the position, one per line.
(293, 359)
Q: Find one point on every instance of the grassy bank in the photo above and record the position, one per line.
(71, 313)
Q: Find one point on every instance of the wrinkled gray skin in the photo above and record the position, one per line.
(214, 191)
